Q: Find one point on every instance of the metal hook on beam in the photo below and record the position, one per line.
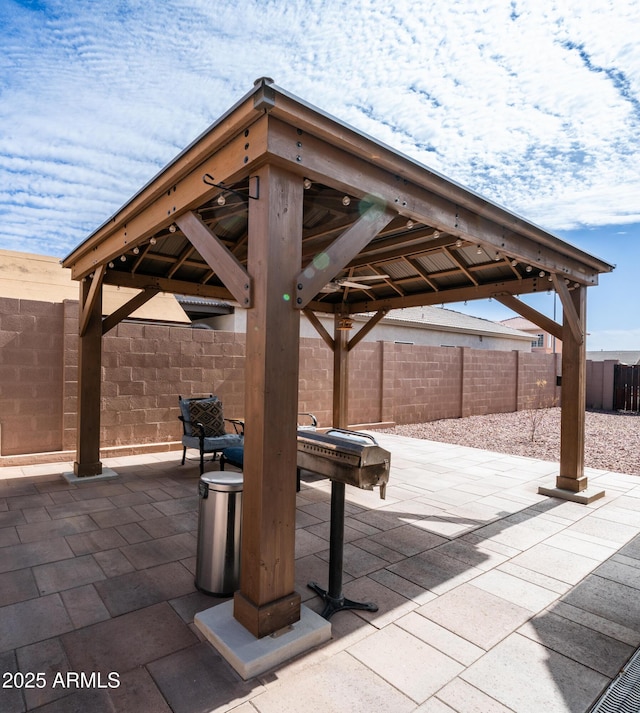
(254, 187)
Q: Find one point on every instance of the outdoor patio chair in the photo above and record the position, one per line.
(204, 427)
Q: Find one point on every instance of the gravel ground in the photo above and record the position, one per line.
(612, 440)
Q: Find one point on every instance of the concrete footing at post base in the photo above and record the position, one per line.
(250, 656)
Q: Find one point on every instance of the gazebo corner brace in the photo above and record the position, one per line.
(341, 251)
(219, 258)
(571, 314)
(89, 299)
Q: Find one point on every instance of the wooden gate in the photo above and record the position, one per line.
(626, 387)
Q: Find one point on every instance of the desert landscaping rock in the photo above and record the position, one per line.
(612, 440)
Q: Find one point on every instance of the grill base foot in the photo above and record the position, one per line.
(336, 604)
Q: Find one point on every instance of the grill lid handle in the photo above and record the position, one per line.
(346, 432)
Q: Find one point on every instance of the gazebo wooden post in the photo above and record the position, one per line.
(89, 379)
(266, 601)
(572, 484)
(573, 394)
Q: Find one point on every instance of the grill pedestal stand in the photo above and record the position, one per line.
(333, 598)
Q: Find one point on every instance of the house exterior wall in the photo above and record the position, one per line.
(550, 344)
(420, 333)
(146, 366)
(433, 337)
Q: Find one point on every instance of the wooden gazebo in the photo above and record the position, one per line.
(276, 206)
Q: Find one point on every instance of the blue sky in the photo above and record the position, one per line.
(536, 106)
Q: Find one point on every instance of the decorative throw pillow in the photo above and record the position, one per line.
(208, 412)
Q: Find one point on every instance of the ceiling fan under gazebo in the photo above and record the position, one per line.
(355, 283)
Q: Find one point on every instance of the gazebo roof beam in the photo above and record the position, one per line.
(164, 284)
(423, 273)
(181, 259)
(456, 294)
(309, 119)
(326, 232)
(331, 165)
(392, 250)
(177, 189)
(390, 236)
(456, 261)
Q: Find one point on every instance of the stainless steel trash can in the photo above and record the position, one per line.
(219, 526)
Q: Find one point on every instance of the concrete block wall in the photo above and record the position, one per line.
(426, 382)
(537, 380)
(144, 369)
(365, 383)
(146, 366)
(31, 357)
(488, 382)
(69, 376)
(315, 381)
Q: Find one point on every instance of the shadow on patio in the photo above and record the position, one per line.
(490, 596)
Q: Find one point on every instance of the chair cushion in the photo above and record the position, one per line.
(235, 455)
(208, 412)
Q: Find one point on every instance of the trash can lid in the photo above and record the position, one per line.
(223, 481)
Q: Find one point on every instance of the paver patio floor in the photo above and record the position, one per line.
(491, 597)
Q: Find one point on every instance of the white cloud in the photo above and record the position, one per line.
(534, 105)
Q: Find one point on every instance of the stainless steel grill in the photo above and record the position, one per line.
(348, 457)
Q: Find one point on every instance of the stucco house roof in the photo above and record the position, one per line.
(624, 357)
(520, 323)
(448, 320)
